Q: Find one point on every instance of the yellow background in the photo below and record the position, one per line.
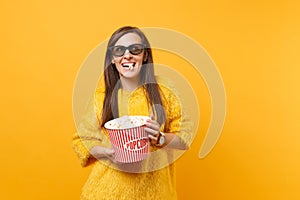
(255, 45)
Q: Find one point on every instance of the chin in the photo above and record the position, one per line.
(129, 76)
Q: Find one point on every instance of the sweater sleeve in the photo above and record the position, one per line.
(88, 135)
(178, 121)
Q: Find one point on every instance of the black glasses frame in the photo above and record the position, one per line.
(130, 48)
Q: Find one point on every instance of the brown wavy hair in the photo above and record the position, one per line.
(147, 79)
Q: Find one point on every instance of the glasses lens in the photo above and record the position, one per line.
(136, 49)
(118, 50)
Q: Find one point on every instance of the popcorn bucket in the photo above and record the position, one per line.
(128, 138)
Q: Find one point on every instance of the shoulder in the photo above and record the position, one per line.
(170, 96)
(100, 90)
(167, 87)
(99, 97)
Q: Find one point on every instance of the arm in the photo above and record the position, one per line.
(100, 152)
(175, 142)
(88, 142)
(172, 140)
(177, 128)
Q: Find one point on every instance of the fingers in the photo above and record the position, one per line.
(151, 131)
(153, 125)
(152, 134)
(100, 152)
(153, 138)
(152, 128)
(152, 116)
(109, 152)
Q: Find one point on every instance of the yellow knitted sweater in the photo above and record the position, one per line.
(106, 181)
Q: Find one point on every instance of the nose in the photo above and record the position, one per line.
(127, 54)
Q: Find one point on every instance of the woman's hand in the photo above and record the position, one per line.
(152, 128)
(99, 152)
(172, 140)
(107, 153)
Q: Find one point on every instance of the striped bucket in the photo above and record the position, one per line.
(128, 138)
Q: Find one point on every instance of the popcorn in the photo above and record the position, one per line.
(129, 65)
(126, 122)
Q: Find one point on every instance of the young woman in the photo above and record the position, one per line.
(131, 88)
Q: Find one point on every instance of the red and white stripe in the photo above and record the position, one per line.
(120, 137)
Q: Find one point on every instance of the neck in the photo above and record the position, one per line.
(129, 84)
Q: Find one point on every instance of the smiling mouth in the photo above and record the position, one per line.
(129, 65)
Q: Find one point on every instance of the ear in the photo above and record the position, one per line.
(113, 61)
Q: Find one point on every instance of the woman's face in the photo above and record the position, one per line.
(128, 65)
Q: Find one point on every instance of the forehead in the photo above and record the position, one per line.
(128, 39)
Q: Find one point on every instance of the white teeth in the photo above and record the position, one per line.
(129, 65)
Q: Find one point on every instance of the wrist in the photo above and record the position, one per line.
(161, 140)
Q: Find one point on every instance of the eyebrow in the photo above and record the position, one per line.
(126, 45)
